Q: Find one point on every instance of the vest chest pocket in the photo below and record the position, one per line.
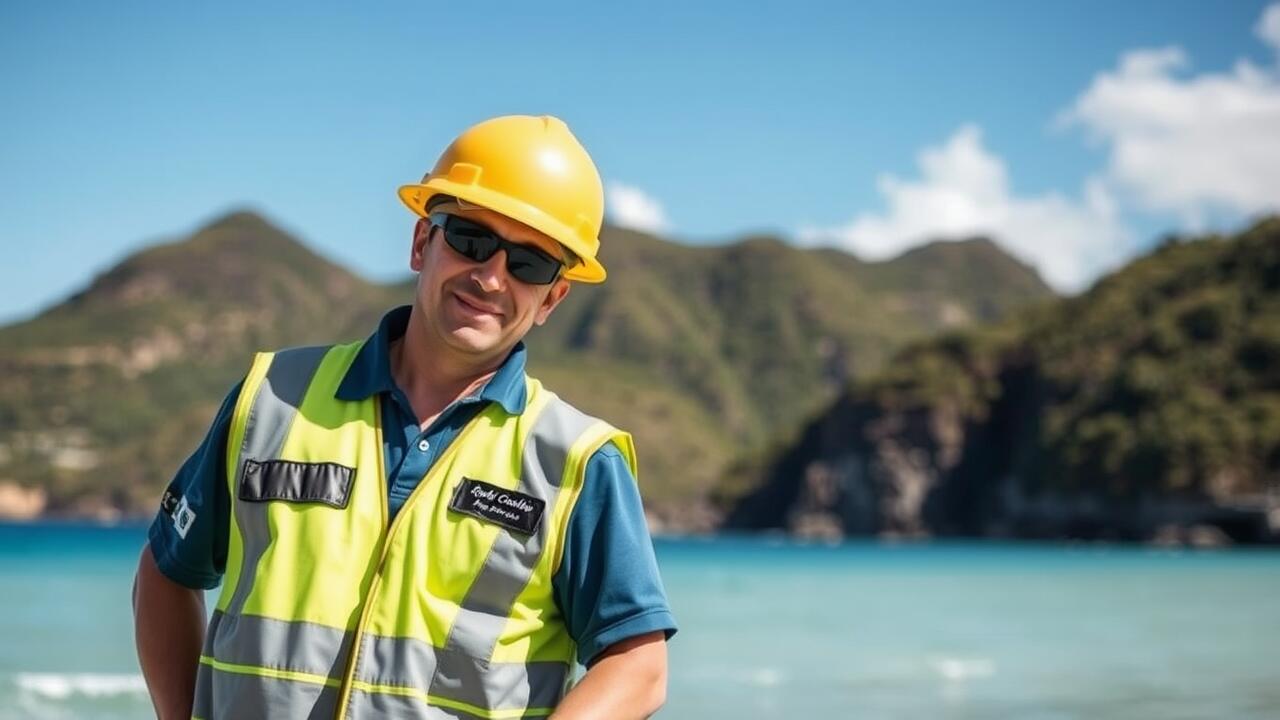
(302, 482)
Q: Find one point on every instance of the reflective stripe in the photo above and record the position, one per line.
(308, 652)
(473, 684)
(559, 425)
(278, 401)
(477, 682)
(296, 646)
(412, 705)
(251, 692)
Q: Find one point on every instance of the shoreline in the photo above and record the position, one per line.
(764, 539)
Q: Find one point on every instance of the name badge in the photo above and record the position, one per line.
(508, 508)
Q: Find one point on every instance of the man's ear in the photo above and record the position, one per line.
(418, 252)
(559, 289)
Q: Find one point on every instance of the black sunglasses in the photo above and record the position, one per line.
(478, 243)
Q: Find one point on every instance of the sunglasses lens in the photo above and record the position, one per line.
(471, 241)
(531, 266)
(478, 243)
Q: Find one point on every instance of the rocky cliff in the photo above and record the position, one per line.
(1146, 409)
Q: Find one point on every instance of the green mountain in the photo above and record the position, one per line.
(759, 331)
(1148, 407)
(103, 396)
(704, 353)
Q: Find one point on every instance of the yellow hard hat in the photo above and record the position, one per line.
(531, 169)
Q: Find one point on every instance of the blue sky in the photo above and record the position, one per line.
(129, 123)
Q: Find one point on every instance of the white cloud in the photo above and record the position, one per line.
(631, 207)
(1190, 145)
(964, 191)
(1268, 27)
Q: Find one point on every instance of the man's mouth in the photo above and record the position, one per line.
(476, 305)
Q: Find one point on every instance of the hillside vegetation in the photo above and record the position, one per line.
(705, 353)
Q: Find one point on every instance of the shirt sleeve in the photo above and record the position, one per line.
(608, 587)
(189, 534)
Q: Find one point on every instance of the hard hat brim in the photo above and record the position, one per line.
(588, 270)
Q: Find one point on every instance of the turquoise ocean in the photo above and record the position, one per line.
(774, 628)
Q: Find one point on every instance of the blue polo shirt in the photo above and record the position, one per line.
(607, 587)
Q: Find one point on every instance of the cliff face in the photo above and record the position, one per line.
(1146, 409)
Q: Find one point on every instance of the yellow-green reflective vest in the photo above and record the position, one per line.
(326, 612)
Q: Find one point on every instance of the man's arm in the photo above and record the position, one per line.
(185, 554)
(168, 622)
(628, 680)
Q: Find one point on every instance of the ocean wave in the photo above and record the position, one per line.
(961, 669)
(59, 686)
(765, 677)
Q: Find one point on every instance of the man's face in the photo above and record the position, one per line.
(478, 309)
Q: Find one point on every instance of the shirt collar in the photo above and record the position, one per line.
(370, 372)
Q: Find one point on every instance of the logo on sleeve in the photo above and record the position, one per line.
(183, 518)
(508, 508)
(169, 502)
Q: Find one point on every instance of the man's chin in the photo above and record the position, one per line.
(473, 341)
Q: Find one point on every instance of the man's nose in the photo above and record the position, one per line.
(491, 275)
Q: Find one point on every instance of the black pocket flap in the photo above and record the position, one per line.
(328, 483)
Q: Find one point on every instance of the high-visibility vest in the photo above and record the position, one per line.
(325, 612)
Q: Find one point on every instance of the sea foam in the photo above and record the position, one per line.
(59, 686)
(961, 669)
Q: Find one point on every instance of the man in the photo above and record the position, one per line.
(409, 526)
